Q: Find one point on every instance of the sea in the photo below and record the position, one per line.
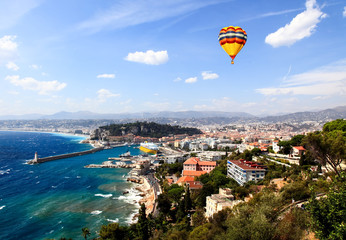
(57, 199)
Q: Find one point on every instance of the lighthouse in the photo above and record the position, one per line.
(35, 158)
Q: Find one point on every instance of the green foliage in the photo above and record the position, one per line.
(114, 231)
(175, 192)
(295, 190)
(286, 147)
(338, 124)
(296, 140)
(198, 217)
(248, 223)
(293, 225)
(85, 232)
(143, 224)
(328, 146)
(256, 151)
(206, 231)
(148, 129)
(187, 200)
(328, 213)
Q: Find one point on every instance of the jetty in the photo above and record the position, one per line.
(37, 160)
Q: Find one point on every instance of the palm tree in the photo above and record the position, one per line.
(85, 232)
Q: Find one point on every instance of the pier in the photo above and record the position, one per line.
(37, 160)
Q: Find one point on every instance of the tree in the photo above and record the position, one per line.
(256, 151)
(328, 146)
(285, 147)
(187, 200)
(143, 224)
(296, 140)
(328, 214)
(85, 232)
(113, 231)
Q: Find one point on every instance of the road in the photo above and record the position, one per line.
(156, 187)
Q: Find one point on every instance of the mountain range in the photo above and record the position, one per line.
(327, 114)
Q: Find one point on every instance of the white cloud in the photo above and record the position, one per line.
(12, 66)
(301, 26)
(8, 48)
(209, 75)
(344, 12)
(105, 75)
(324, 81)
(149, 57)
(42, 87)
(178, 79)
(126, 13)
(191, 80)
(7, 43)
(104, 94)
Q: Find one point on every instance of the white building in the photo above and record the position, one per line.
(218, 202)
(244, 171)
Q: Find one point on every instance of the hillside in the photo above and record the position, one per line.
(147, 129)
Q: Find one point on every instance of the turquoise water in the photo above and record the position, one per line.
(57, 199)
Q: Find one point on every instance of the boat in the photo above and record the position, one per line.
(126, 155)
(149, 148)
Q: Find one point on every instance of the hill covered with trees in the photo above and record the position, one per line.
(148, 129)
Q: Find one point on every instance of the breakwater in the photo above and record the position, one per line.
(62, 156)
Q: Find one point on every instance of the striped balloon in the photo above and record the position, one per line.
(232, 39)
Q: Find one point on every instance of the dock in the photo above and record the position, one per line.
(37, 160)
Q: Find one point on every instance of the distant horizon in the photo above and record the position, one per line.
(158, 112)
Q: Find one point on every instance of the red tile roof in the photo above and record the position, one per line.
(185, 179)
(193, 160)
(193, 173)
(247, 165)
(208, 163)
(300, 148)
(195, 185)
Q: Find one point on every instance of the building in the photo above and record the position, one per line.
(194, 164)
(218, 202)
(297, 151)
(244, 171)
(190, 181)
(276, 147)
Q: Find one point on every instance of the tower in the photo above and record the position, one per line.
(35, 158)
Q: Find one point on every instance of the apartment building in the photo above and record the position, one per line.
(244, 171)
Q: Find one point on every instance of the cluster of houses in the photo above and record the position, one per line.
(241, 171)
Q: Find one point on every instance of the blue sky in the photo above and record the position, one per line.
(134, 56)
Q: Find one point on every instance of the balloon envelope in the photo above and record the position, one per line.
(232, 39)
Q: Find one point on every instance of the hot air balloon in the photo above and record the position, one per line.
(232, 39)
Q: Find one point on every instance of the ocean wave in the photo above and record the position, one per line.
(7, 171)
(103, 195)
(96, 212)
(2, 207)
(113, 221)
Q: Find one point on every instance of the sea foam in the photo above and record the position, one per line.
(103, 195)
(96, 212)
(113, 221)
